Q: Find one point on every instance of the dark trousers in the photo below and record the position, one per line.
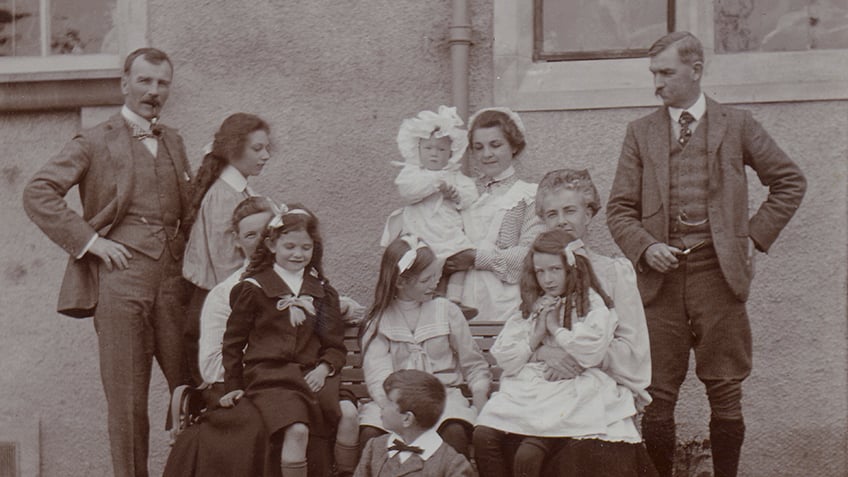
(139, 316)
(694, 310)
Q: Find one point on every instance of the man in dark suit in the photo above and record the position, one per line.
(678, 209)
(126, 248)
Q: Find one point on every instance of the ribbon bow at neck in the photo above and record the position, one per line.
(298, 306)
(544, 304)
(400, 446)
(418, 359)
(572, 249)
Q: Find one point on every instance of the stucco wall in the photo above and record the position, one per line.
(334, 79)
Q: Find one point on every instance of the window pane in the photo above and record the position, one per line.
(780, 25)
(83, 26)
(600, 28)
(19, 28)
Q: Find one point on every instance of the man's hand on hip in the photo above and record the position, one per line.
(112, 253)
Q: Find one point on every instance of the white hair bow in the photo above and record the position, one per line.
(281, 210)
(409, 257)
(574, 248)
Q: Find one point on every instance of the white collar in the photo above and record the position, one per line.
(506, 174)
(233, 178)
(134, 118)
(697, 110)
(294, 280)
(429, 442)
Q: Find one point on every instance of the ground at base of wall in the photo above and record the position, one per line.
(693, 459)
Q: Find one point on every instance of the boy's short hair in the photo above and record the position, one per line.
(418, 392)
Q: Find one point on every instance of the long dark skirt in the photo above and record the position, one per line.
(496, 453)
(224, 442)
(283, 398)
(597, 458)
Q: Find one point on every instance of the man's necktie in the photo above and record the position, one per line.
(400, 446)
(685, 133)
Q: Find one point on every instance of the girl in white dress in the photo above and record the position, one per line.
(564, 305)
(409, 328)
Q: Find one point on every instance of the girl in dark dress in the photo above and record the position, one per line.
(284, 342)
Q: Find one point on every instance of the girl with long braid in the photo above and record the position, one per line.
(240, 150)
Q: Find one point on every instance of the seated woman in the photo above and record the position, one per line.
(501, 223)
(567, 200)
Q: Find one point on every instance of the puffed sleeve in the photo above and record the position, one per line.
(243, 300)
(588, 340)
(475, 368)
(376, 362)
(416, 184)
(628, 359)
(519, 228)
(512, 346)
(213, 323)
(211, 254)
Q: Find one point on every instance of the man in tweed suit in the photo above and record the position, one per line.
(125, 248)
(678, 209)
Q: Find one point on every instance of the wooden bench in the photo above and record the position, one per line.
(353, 378)
(187, 403)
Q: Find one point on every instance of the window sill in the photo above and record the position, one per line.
(62, 93)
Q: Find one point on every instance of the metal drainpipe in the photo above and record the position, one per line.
(460, 44)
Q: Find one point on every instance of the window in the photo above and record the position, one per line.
(591, 29)
(756, 50)
(68, 39)
(45, 43)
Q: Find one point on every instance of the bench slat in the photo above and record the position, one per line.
(353, 377)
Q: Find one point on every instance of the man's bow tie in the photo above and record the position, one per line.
(400, 446)
(142, 134)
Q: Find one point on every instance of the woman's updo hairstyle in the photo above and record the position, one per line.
(504, 118)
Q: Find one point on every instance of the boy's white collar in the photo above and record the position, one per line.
(429, 442)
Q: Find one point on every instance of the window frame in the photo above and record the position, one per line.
(30, 83)
(527, 85)
(538, 41)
